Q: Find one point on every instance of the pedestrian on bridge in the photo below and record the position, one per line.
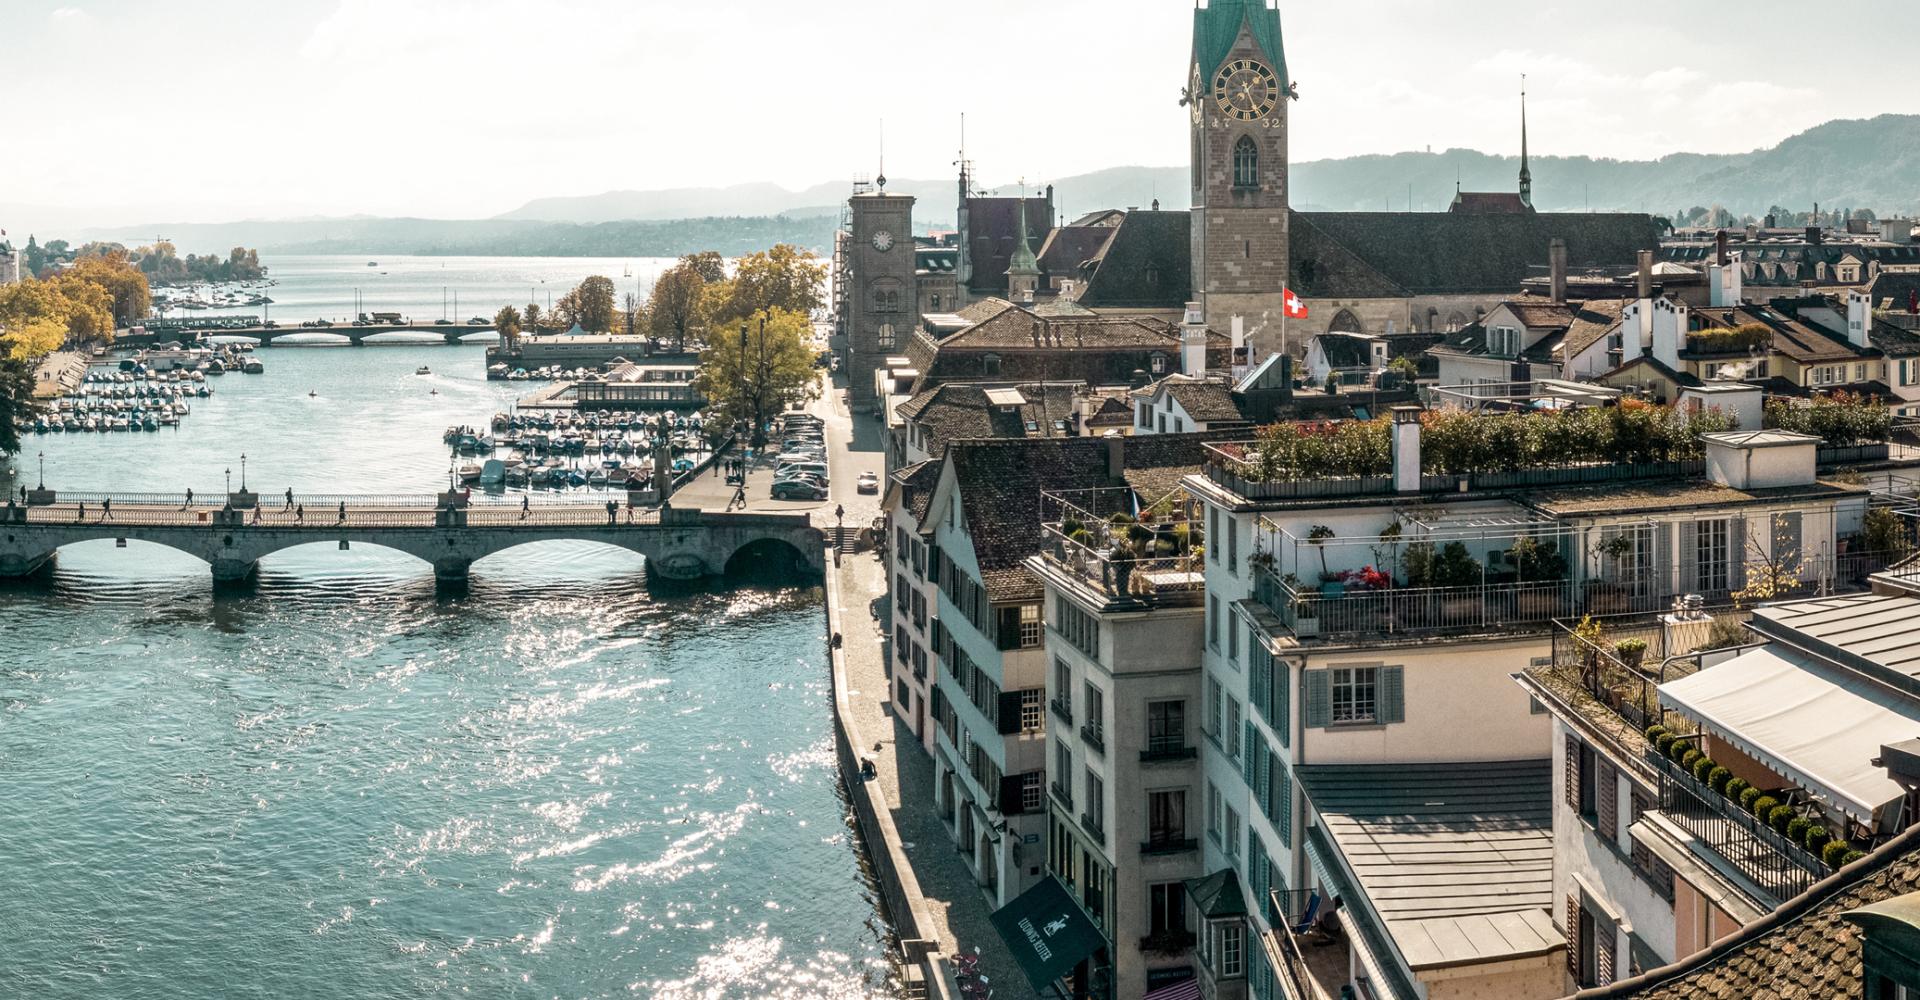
(83, 512)
(300, 513)
(526, 506)
(106, 508)
(189, 502)
(613, 512)
(289, 498)
(256, 513)
(343, 512)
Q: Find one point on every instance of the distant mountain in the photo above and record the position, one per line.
(1858, 164)
(491, 237)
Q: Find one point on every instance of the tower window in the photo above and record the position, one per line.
(1246, 163)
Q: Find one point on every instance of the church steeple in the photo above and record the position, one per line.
(1526, 174)
(1023, 269)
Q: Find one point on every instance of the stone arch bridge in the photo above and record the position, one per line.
(232, 537)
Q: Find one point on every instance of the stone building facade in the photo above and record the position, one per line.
(882, 294)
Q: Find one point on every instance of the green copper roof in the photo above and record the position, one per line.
(1023, 261)
(1217, 25)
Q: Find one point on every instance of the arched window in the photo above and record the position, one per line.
(1246, 163)
(1346, 322)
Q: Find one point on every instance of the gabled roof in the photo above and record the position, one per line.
(1431, 253)
(1894, 291)
(1592, 320)
(1489, 203)
(1806, 948)
(912, 487)
(993, 225)
(961, 410)
(1206, 401)
(1068, 248)
(1147, 264)
(1801, 340)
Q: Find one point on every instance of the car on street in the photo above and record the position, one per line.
(867, 483)
(794, 489)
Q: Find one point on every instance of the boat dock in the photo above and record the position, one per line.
(58, 374)
(553, 396)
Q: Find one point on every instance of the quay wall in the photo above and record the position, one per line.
(922, 959)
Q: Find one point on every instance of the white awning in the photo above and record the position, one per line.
(1818, 726)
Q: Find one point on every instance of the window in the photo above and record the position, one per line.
(1353, 694)
(1213, 621)
(1030, 793)
(990, 364)
(1586, 768)
(1063, 773)
(1029, 626)
(1213, 812)
(1233, 728)
(1095, 728)
(1233, 642)
(1062, 689)
(1231, 937)
(884, 337)
(1713, 541)
(1214, 708)
(1096, 802)
(1166, 726)
(1213, 531)
(1246, 163)
(1859, 373)
(1167, 817)
(1231, 835)
(936, 301)
(1157, 363)
(1031, 718)
(1233, 545)
(1076, 626)
(1166, 908)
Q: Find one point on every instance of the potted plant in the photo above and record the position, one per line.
(1330, 583)
(1306, 619)
(1120, 557)
(1460, 575)
(1631, 651)
(1538, 563)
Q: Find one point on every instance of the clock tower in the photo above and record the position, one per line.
(882, 302)
(1236, 97)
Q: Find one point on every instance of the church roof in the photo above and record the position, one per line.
(1217, 26)
(1488, 203)
(992, 230)
(1147, 264)
(1389, 254)
(1069, 247)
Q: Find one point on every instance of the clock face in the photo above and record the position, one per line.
(883, 241)
(1246, 90)
(1196, 100)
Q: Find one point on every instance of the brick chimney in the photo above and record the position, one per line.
(1720, 247)
(1557, 268)
(1814, 237)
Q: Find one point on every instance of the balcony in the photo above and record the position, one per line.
(1094, 828)
(1758, 852)
(1168, 845)
(1167, 753)
(1094, 738)
(1104, 541)
(1061, 709)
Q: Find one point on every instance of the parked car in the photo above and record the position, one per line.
(798, 490)
(867, 483)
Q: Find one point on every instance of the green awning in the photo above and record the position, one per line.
(1217, 896)
(1047, 932)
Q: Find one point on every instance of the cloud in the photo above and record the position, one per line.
(69, 18)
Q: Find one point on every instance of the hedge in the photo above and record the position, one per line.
(1763, 807)
(1719, 778)
(1817, 838)
(1834, 851)
(1735, 788)
(1781, 817)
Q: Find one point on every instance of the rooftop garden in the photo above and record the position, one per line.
(1840, 419)
(1741, 339)
(1124, 550)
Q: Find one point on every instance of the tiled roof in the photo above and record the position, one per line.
(1894, 341)
(1488, 203)
(1804, 949)
(1069, 247)
(1429, 253)
(1592, 320)
(958, 410)
(1207, 401)
(1801, 340)
(1148, 264)
(992, 237)
(1894, 291)
(1000, 483)
(915, 484)
(1540, 315)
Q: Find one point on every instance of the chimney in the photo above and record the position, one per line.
(1242, 355)
(1859, 318)
(1720, 247)
(1406, 449)
(1557, 268)
(1814, 236)
(1643, 289)
(1116, 456)
(1753, 233)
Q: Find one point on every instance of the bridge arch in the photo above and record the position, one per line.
(766, 556)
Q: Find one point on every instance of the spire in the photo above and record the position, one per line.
(1023, 270)
(1526, 174)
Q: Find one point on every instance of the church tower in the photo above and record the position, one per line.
(1526, 172)
(1236, 95)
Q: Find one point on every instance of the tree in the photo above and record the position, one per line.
(708, 264)
(785, 277)
(16, 401)
(677, 310)
(109, 269)
(631, 314)
(593, 304)
(533, 317)
(507, 323)
(762, 370)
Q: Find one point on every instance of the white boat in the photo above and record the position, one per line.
(423, 370)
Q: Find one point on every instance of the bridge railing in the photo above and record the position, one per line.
(272, 501)
(316, 517)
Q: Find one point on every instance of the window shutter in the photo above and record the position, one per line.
(1689, 557)
(1011, 787)
(1603, 941)
(1392, 707)
(1249, 766)
(1573, 773)
(1319, 692)
(1282, 814)
(1261, 667)
(1663, 559)
(1262, 771)
(1282, 697)
(1009, 721)
(1736, 553)
(1573, 936)
(1607, 803)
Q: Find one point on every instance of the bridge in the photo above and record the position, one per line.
(233, 533)
(451, 333)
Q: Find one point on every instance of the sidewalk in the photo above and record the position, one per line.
(956, 905)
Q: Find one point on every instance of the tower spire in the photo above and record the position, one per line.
(881, 180)
(1023, 270)
(1526, 173)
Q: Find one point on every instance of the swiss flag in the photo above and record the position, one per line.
(1291, 304)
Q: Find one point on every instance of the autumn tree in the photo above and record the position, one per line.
(16, 400)
(507, 323)
(111, 270)
(533, 318)
(784, 278)
(708, 264)
(758, 369)
(677, 309)
(593, 304)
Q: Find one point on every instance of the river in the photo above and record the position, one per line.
(343, 784)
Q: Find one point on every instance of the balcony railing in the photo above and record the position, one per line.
(1164, 577)
(1757, 851)
(1159, 846)
(1094, 738)
(1167, 752)
(1061, 709)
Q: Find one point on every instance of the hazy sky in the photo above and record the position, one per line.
(211, 110)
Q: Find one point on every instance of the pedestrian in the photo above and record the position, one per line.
(839, 513)
(256, 513)
(343, 512)
(613, 512)
(83, 512)
(106, 509)
(189, 498)
(526, 506)
(739, 498)
(300, 513)
(289, 498)
(629, 508)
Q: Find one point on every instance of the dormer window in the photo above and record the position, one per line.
(990, 364)
(1158, 364)
(1503, 341)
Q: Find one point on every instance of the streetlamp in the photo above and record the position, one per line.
(43, 470)
(228, 472)
(243, 472)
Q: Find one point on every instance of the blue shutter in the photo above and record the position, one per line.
(1319, 692)
(1283, 807)
(1392, 707)
(1249, 766)
(1259, 677)
(1262, 768)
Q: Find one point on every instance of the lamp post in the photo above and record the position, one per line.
(243, 472)
(43, 470)
(228, 472)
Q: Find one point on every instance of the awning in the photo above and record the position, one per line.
(1217, 895)
(1047, 932)
(1818, 726)
(1185, 989)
